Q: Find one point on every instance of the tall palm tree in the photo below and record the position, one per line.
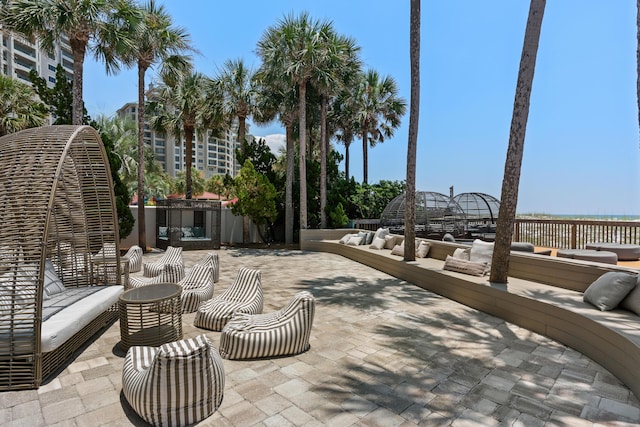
(237, 86)
(193, 105)
(276, 99)
(293, 47)
(380, 110)
(153, 39)
(51, 20)
(343, 117)
(339, 64)
(20, 108)
(515, 150)
(412, 145)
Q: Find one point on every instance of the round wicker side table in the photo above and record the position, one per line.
(150, 315)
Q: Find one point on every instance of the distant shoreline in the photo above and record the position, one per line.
(613, 217)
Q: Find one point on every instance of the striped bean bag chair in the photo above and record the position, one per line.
(243, 296)
(171, 273)
(172, 256)
(197, 286)
(135, 258)
(176, 384)
(284, 332)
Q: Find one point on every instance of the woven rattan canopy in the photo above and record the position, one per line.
(57, 204)
(436, 214)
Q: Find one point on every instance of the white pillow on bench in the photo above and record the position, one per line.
(608, 290)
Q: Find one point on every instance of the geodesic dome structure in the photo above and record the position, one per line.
(479, 207)
(436, 214)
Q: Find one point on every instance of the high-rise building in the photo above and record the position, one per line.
(20, 55)
(213, 156)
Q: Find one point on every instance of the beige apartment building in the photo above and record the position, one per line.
(213, 156)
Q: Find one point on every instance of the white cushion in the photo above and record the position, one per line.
(481, 251)
(462, 253)
(377, 243)
(423, 249)
(398, 250)
(346, 238)
(381, 232)
(52, 283)
(66, 323)
(608, 290)
(464, 266)
(354, 241)
(389, 241)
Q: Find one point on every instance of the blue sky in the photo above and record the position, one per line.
(582, 144)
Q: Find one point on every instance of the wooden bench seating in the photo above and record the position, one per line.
(544, 295)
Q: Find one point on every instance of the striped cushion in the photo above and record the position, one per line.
(173, 255)
(196, 287)
(243, 296)
(135, 258)
(171, 273)
(177, 384)
(280, 333)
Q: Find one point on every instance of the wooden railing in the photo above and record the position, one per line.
(557, 233)
(575, 234)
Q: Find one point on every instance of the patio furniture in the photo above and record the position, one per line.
(283, 332)
(57, 209)
(625, 251)
(171, 273)
(135, 258)
(177, 384)
(150, 315)
(589, 255)
(243, 296)
(197, 286)
(172, 256)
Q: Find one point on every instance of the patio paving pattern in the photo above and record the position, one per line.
(383, 353)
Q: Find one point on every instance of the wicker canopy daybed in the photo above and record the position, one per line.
(57, 212)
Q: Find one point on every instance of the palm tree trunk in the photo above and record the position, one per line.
(290, 171)
(303, 153)
(323, 162)
(188, 141)
(142, 228)
(365, 158)
(410, 200)
(246, 220)
(78, 50)
(513, 163)
(346, 158)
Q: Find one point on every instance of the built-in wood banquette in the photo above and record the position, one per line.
(544, 294)
(58, 212)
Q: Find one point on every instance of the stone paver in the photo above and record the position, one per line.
(383, 352)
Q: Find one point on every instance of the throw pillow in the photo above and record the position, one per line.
(377, 243)
(162, 231)
(389, 241)
(369, 238)
(608, 290)
(481, 251)
(462, 253)
(463, 266)
(346, 238)
(632, 301)
(355, 241)
(423, 249)
(52, 283)
(398, 250)
(381, 232)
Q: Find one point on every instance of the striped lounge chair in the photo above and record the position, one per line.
(197, 286)
(172, 256)
(283, 332)
(170, 273)
(176, 384)
(135, 258)
(244, 295)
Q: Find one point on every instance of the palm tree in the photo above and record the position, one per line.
(154, 39)
(276, 99)
(412, 145)
(51, 20)
(236, 80)
(193, 105)
(339, 64)
(343, 117)
(515, 150)
(380, 109)
(20, 108)
(293, 47)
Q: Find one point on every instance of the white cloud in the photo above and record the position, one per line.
(275, 142)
